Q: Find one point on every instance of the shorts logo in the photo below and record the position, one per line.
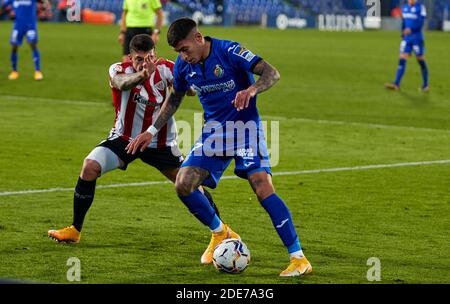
(218, 71)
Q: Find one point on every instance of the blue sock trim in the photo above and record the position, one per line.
(295, 246)
(215, 223)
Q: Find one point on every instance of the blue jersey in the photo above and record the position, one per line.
(226, 71)
(25, 11)
(414, 18)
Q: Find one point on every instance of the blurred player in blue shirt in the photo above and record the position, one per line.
(25, 24)
(221, 72)
(414, 15)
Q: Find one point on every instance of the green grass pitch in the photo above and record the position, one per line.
(333, 113)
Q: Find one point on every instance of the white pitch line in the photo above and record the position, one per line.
(280, 118)
(357, 168)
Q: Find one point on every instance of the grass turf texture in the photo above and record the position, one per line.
(145, 234)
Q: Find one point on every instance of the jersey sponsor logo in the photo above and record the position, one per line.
(118, 68)
(409, 16)
(18, 3)
(242, 52)
(223, 86)
(218, 71)
(142, 100)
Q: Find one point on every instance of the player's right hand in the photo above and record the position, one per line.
(407, 31)
(139, 143)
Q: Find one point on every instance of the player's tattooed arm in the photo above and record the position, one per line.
(125, 82)
(169, 108)
(268, 76)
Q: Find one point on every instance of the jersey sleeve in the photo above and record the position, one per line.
(165, 68)
(125, 5)
(179, 80)
(241, 57)
(114, 69)
(155, 4)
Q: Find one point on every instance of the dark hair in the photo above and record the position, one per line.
(179, 30)
(141, 43)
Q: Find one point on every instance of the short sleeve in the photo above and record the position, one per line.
(166, 70)
(155, 4)
(125, 5)
(179, 80)
(114, 69)
(242, 57)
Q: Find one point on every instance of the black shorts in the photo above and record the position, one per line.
(160, 158)
(130, 33)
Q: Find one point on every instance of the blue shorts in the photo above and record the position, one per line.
(247, 161)
(409, 46)
(18, 34)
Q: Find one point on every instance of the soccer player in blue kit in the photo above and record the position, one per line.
(221, 72)
(25, 24)
(414, 15)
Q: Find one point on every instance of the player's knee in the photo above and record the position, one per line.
(263, 189)
(183, 185)
(404, 56)
(91, 170)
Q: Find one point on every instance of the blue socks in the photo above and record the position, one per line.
(14, 58)
(400, 71)
(36, 60)
(200, 207)
(282, 221)
(424, 68)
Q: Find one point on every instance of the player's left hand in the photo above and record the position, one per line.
(139, 143)
(242, 99)
(407, 31)
(148, 67)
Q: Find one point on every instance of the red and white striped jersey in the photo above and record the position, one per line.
(137, 109)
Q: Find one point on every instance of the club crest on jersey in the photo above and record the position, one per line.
(218, 71)
(118, 68)
(160, 86)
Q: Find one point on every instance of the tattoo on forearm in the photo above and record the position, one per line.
(168, 109)
(125, 82)
(268, 76)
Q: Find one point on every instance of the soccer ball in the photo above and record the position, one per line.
(231, 256)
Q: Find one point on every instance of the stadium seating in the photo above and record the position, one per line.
(440, 12)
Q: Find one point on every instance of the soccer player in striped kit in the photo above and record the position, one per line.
(139, 89)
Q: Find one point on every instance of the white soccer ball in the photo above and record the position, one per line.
(231, 256)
